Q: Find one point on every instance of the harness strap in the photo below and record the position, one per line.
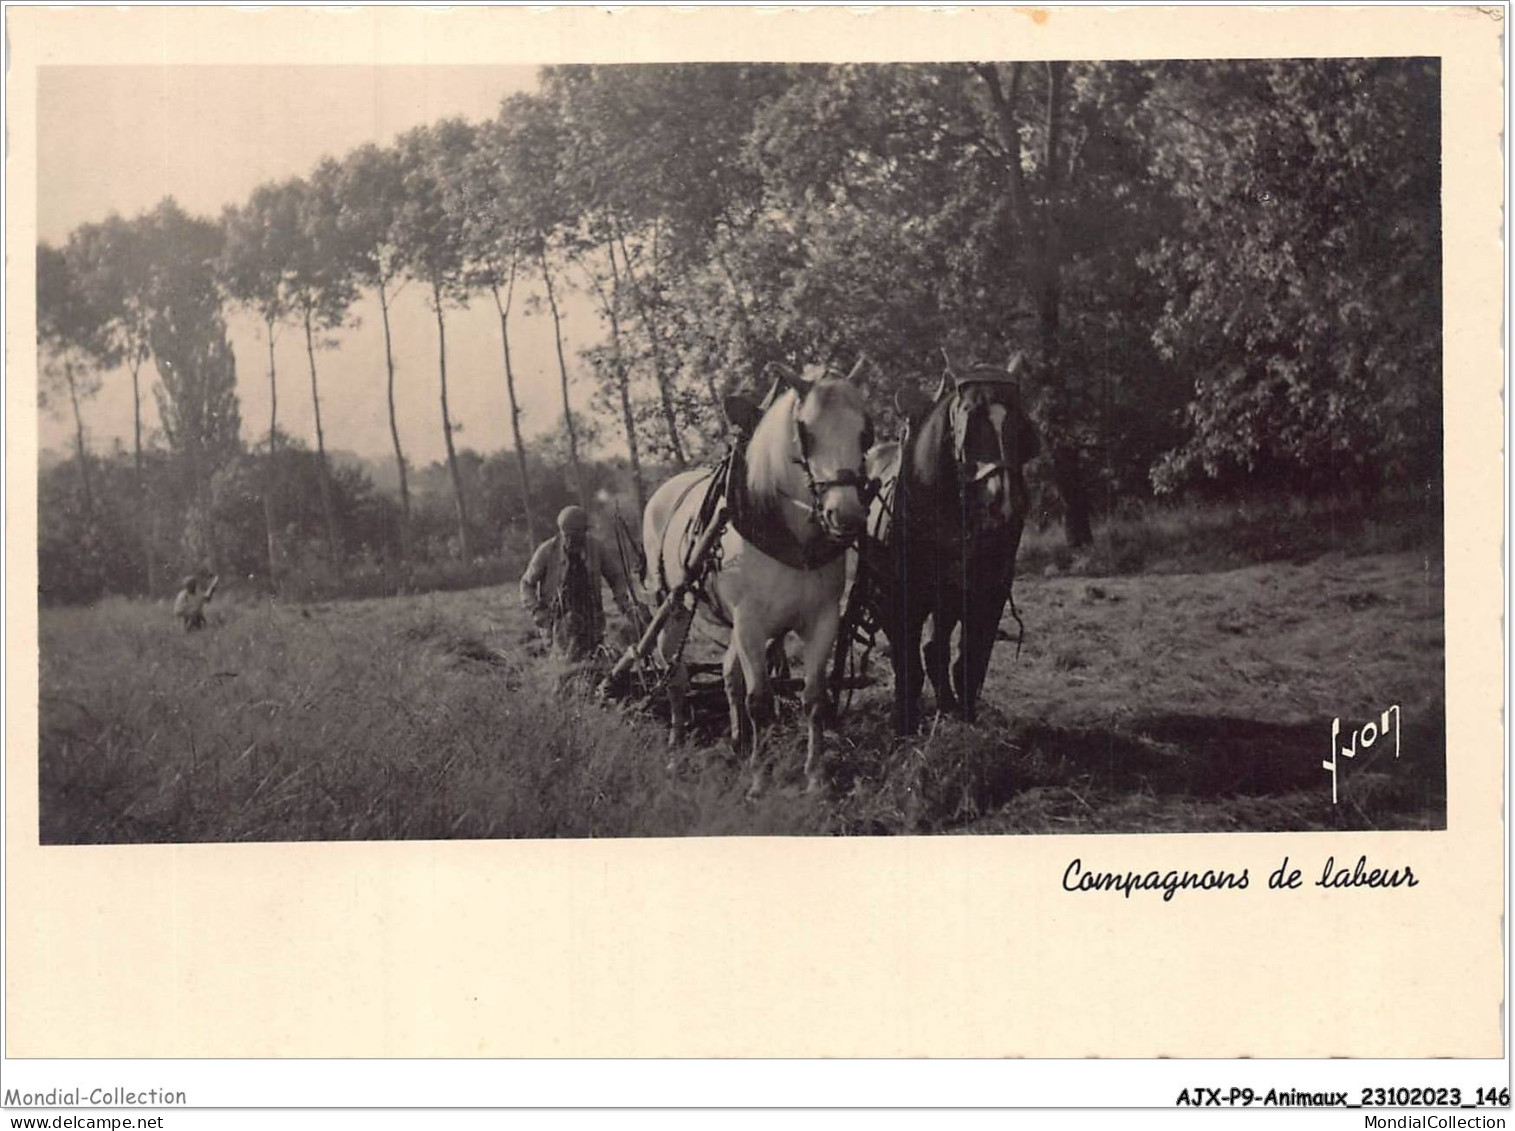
(767, 533)
(691, 536)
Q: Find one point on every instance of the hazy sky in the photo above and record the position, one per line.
(119, 139)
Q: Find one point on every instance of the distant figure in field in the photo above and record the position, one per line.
(189, 605)
(561, 587)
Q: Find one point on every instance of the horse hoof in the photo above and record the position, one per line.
(754, 791)
(814, 785)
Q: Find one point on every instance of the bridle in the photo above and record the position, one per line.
(855, 477)
(971, 472)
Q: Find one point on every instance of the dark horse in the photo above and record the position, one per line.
(944, 533)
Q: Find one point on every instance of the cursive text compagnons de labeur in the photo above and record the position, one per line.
(1077, 878)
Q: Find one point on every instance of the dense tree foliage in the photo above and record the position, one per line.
(1225, 276)
(1316, 340)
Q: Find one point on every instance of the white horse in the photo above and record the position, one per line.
(781, 562)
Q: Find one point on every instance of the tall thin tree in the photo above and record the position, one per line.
(557, 338)
(371, 197)
(483, 202)
(536, 142)
(322, 288)
(69, 337)
(258, 236)
(432, 243)
(614, 362)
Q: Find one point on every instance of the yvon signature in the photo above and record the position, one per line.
(1367, 734)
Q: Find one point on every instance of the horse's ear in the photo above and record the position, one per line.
(741, 412)
(912, 404)
(1013, 366)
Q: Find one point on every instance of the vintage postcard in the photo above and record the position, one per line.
(754, 533)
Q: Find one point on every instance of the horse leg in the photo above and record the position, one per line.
(909, 676)
(979, 632)
(749, 644)
(736, 699)
(938, 651)
(818, 645)
(671, 649)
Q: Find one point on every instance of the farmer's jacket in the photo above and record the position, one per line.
(544, 577)
(188, 605)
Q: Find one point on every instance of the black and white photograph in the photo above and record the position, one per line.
(698, 449)
(916, 536)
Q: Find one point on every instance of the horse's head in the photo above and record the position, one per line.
(976, 430)
(834, 433)
(816, 430)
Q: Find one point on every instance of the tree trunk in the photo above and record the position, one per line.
(622, 380)
(333, 545)
(204, 540)
(452, 456)
(1042, 257)
(623, 385)
(208, 524)
(271, 479)
(137, 481)
(137, 423)
(394, 434)
(665, 391)
(1067, 461)
(84, 480)
(557, 328)
(515, 410)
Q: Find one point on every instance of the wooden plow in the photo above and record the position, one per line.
(639, 678)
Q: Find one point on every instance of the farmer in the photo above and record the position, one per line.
(561, 586)
(189, 605)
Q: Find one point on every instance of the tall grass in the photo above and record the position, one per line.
(349, 723)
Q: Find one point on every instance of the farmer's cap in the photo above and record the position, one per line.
(189, 582)
(573, 520)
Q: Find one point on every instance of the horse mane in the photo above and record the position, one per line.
(928, 460)
(768, 454)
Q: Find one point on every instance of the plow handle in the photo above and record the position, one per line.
(692, 573)
(648, 638)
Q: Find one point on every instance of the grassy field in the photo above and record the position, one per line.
(1161, 702)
